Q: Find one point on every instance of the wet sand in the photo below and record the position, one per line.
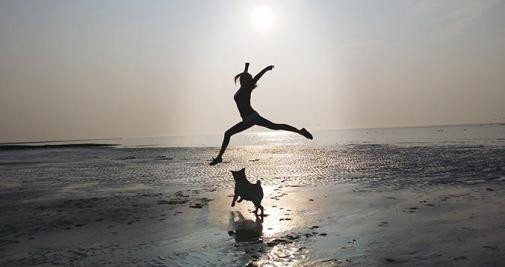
(323, 225)
(424, 200)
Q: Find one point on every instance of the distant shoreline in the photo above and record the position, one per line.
(420, 126)
(78, 141)
(57, 141)
(73, 145)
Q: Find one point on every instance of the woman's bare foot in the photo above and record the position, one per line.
(306, 133)
(216, 161)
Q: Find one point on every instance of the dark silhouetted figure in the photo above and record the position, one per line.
(247, 190)
(249, 116)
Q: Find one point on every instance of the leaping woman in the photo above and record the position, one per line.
(249, 116)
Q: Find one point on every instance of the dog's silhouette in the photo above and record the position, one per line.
(246, 190)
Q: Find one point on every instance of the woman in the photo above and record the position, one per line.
(249, 116)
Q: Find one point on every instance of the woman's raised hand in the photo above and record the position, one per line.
(258, 76)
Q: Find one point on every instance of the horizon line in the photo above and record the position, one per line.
(208, 134)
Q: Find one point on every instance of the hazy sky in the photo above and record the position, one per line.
(93, 69)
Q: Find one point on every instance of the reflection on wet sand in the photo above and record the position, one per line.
(244, 229)
(262, 251)
(279, 238)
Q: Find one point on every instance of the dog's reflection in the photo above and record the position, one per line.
(244, 229)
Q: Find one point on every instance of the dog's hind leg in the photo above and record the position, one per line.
(234, 199)
(262, 212)
(257, 205)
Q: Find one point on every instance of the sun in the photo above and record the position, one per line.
(262, 18)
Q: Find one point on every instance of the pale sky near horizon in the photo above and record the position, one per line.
(97, 69)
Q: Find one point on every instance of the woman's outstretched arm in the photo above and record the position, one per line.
(258, 76)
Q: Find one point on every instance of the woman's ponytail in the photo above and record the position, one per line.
(236, 77)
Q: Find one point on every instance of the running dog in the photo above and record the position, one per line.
(246, 190)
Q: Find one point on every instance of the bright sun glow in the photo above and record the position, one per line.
(262, 18)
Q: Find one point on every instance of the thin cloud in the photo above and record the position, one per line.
(453, 17)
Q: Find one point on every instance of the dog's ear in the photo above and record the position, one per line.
(234, 175)
(242, 170)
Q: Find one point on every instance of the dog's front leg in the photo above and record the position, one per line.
(234, 199)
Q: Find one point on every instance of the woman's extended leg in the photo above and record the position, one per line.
(237, 128)
(276, 126)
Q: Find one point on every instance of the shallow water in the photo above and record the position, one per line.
(400, 157)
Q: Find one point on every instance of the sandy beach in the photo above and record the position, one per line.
(353, 204)
(304, 226)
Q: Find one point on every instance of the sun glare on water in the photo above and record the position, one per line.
(262, 18)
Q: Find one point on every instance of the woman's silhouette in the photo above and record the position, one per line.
(249, 116)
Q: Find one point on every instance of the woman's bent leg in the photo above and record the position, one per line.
(237, 128)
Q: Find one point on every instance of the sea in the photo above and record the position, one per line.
(415, 157)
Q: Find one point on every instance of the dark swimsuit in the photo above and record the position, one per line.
(243, 99)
